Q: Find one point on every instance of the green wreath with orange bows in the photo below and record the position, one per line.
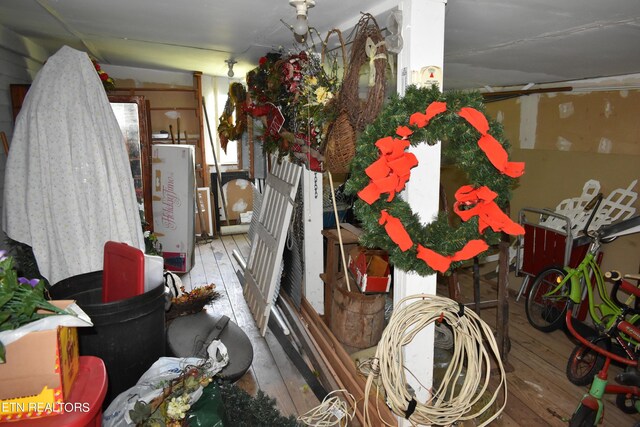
(382, 167)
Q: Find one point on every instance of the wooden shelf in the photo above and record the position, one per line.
(173, 109)
(187, 102)
(153, 89)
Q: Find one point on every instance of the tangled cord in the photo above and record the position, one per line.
(332, 411)
(451, 401)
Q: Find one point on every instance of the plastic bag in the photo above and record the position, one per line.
(150, 384)
(208, 411)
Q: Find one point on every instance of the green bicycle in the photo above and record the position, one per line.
(590, 411)
(548, 297)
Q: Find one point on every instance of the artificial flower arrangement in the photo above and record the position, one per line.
(106, 80)
(220, 403)
(152, 245)
(302, 91)
(313, 103)
(20, 299)
(170, 408)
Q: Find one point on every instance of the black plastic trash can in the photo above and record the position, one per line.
(128, 335)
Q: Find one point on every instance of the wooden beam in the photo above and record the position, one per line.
(309, 346)
(507, 94)
(345, 369)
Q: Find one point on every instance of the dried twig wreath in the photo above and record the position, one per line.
(368, 47)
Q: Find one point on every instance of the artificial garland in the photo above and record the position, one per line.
(382, 166)
(227, 130)
(244, 410)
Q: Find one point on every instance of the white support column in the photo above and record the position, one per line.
(423, 34)
(313, 253)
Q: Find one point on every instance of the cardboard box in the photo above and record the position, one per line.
(39, 373)
(174, 204)
(204, 208)
(239, 197)
(370, 268)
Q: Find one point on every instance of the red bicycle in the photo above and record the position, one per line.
(627, 388)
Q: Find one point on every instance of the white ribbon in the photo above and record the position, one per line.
(371, 49)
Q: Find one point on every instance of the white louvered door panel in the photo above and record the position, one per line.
(263, 265)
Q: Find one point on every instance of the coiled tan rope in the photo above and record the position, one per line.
(454, 398)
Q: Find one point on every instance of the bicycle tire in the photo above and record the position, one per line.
(584, 363)
(626, 405)
(547, 314)
(583, 417)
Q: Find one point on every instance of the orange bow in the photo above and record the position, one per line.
(479, 202)
(391, 171)
(488, 144)
(441, 263)
(395, 230)
(433, 109)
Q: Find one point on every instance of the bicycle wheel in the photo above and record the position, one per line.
(546, 312)
(583, 417)
(584, 363)
(627, 404)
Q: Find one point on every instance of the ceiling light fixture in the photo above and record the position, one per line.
(301, 27)
(230, 64)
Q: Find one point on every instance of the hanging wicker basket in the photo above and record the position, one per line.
(341, 145)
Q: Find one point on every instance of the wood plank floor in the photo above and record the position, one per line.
(271, 370)
(539, 394)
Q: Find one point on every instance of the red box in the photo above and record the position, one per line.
(39, 373)
(370, 267)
